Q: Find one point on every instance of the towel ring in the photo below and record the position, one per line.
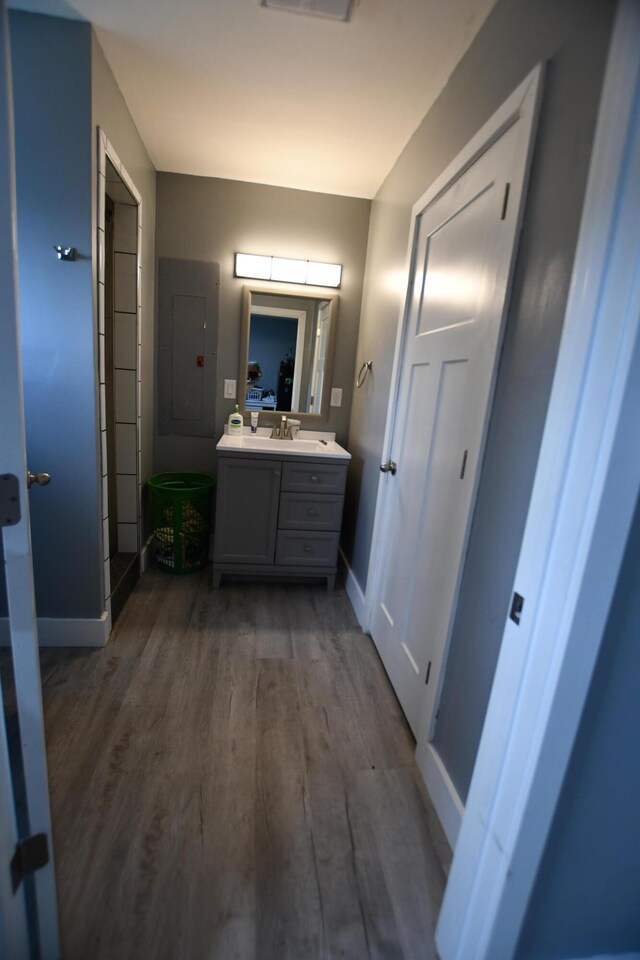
(364, 372)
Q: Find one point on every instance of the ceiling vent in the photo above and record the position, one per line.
(334, 9)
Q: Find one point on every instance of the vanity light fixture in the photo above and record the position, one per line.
(286, 270)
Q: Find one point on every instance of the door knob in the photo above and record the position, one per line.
(41, 479)
(389, 466)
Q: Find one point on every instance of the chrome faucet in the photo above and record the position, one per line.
(286, 429)
(281, 431)
(294, 426)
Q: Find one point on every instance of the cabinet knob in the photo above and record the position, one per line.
(307, 548)
(314, 479)
(276, 473)
(312, 512)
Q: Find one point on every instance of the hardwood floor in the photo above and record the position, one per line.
(232, 778)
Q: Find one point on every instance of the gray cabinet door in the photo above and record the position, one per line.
(314, 477)
(308, 511)
(246, 510)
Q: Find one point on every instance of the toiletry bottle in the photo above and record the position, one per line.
(254, 421)
(235, 424)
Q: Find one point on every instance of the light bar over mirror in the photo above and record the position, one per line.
(286, 270)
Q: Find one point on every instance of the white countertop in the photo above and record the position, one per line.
(309, 443)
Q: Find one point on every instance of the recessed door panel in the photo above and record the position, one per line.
(454, 279)
(462, 256)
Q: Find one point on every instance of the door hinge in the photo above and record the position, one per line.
(464, 464)
(505, 202)
(9, 500)
(516, 608)
(426, 679)
(30, 854)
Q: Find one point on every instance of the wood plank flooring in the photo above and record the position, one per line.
(232, 779)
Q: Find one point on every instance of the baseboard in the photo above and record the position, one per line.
(614, 956)
(444, 795)
(355, 594)
(145, 555)
(54, 632)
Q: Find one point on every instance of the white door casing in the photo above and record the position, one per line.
(462, 255)
(581, 510)
(16, 541)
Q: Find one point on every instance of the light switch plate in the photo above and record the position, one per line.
(230, 389)
(336, 396)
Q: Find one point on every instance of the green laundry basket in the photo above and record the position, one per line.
(181, 504)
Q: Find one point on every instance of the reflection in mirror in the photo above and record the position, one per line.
(286, 349)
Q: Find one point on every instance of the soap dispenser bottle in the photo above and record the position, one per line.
(235, 424)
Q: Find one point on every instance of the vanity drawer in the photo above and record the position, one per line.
(306, 511)
(314, 477)
(307, 549)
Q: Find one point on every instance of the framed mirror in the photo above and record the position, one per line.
(286, 350)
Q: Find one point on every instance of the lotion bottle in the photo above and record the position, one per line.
(235, 423)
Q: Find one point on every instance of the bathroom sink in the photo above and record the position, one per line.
(301, 446)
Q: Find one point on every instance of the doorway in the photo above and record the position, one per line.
(119, 304)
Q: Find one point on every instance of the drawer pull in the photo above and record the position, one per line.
(312, 512)
(315, 479)
(307, 548)
(276, 473)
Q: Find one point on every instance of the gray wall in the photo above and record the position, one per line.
(63, 87)
(111, 113)
(202, 218)
(52, 97)
(586, 899)
(573, 37)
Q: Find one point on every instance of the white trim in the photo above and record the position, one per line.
(523, 103)
(612, 956)
(444, 796)
(582, 505)
(17, 571)
(106, 149)
(145, 555)
(355, 593)
(58, 632)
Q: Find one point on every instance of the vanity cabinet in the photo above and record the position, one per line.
(278, 518)
(247, 500)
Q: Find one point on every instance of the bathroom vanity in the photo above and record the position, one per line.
(279, 506)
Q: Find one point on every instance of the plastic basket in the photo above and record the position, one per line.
(181, 504)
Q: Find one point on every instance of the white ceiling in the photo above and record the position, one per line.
(227, 88)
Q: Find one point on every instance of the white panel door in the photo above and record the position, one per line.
(463, 247)
(16, 542)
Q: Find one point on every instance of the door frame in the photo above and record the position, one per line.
(522, 105)
(42, 915)
(106, 150)
(582, 505)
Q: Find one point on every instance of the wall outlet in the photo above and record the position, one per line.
(336, 396)
(230, 389)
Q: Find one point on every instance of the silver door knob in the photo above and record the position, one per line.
(40, 479)
(389, 466)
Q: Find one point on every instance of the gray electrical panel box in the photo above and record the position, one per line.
(188, 294)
